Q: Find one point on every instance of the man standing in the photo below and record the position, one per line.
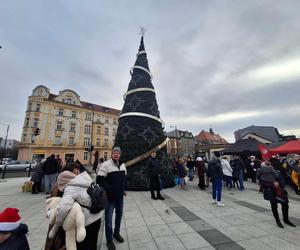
(153, 169)
(50, 169)
(112, 177)
(215, 174)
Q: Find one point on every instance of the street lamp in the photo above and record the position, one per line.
(5, 141)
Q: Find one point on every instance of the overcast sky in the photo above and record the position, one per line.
(220, 64)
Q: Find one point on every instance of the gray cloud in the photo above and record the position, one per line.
(203, 54)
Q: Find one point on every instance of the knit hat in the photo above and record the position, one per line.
(198, 159)
(117, 148)
(9, 219)
(63, 179)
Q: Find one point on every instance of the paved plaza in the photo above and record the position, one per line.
(185, 220)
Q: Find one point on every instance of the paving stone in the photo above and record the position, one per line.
(169, 243)
(135, 222)
(180, 228)
(215, 237)
(138, 245)
(277, 243)
(139, 233)
(156, 220)
(192, 240)
(184, 213)
(199, 225)
(229, 246)
(160, 230)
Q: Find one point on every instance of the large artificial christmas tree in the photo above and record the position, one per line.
(140, 128)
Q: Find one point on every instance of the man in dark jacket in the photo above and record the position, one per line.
(267, 176)
(215, 173)
(50, 169)
(153, 170)
(37, 177)
(238, 170)
(112, 177)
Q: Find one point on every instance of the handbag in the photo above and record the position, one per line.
(58, 242)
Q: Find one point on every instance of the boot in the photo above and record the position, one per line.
(275, 214)
(285, 214)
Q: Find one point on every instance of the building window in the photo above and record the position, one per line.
(87, 129)
(38, 107)
(106, 131)
(73, 114)
(68, 101)
(115, 121)
(85, 156)
(86, 141)
(27, 122)
(30, 106)
(71, 140)
(72, 127)
(106, 142)
(98, 130)
(36, 122)
(57, 140)
(98, 142)
(88, 116)
(61, 112)
(59, 125)
(106, 120)
(114, 132)
(24, 137)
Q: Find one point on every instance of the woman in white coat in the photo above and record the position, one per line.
(74, 186)
(227, 172)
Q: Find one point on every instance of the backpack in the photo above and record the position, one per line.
(98, 198)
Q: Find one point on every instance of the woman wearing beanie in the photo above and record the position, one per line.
(12, 231)
(74, 186)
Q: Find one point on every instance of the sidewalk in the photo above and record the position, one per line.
(185, 220)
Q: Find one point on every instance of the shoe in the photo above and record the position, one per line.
(111, 245)
(119, 238)
(278, 222)
(220, 204)
(289, 223)
(153, 198)
(160, 198)
(213, 201)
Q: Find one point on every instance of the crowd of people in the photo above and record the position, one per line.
(72, 184)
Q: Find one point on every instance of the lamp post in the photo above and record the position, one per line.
(5, 141)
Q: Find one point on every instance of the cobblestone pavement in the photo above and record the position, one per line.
(185, 220)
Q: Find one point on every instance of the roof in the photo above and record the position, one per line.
(243, 146)
(268, 132)
(205, 136)
(90, 106)
(291, 147)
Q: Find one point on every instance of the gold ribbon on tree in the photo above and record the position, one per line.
(147, 154)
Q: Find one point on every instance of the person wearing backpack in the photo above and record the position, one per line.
(112, 177)
(75, 186)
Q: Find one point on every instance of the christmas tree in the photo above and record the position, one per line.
(140, 128)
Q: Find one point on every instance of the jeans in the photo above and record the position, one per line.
(241, 179)
(191, 174)
(228, 181)
(50, 180)
(118, 206)
(217, 188)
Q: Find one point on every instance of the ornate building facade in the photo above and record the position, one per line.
(68, 126)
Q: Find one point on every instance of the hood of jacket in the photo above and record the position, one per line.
(82, 180)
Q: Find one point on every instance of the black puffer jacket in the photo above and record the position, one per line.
(18, 240)
(153, 168)
(51, 166)
(215, 169)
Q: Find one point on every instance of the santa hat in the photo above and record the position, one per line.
(9, 219)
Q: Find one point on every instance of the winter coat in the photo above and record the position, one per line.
(190, 164)
(180, 170)
(226, 168)
(51, 166)
(18, 240)
(76, 191)
(38, 173)
(153, 168)
(200, 167)
(113, 179)
(215, 169)
(237, 165)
